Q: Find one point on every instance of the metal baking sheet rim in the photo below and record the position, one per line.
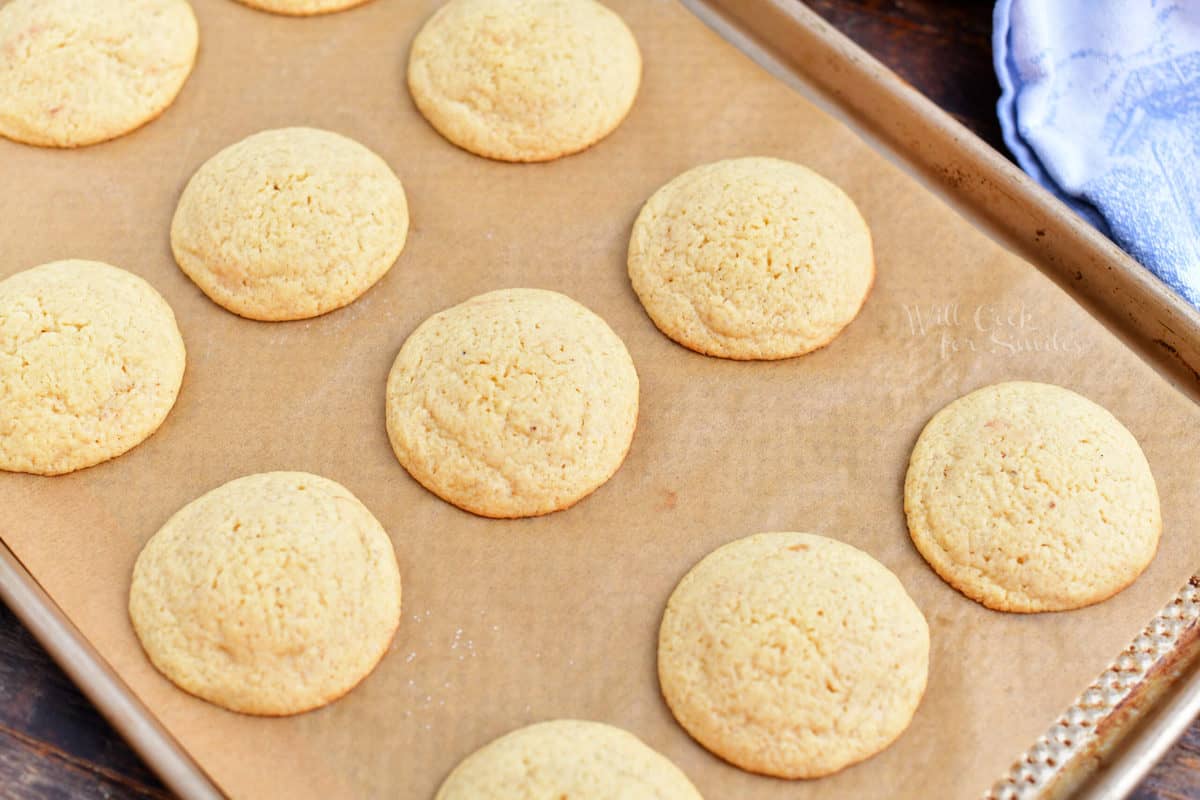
(1121, 725)
(39, 613)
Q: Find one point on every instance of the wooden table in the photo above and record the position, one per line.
(53, 744)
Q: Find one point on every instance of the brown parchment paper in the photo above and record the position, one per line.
(506, 623)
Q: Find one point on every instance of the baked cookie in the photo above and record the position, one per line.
(751, 258)
(91, 362)
(302, 8)
(78, 72)
(1028, 497)
(524, 80)
(792, 655)
(567, 758)
(515, 403)
(273, 594)
(290, 224)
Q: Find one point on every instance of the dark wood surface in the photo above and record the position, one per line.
(53, 744)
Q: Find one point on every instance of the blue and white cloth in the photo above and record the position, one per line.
(1101, 104)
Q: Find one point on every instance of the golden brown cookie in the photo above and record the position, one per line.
(515, 403)
(1028, 497)
(792, 655)
(751, 258)
(567, 758)
(289, 224)
(78, 72)
(524, 80)
(91, 362)
(273, 594)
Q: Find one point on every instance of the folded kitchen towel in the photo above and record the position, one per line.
(1101, 104)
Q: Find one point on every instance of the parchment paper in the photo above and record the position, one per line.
(506, 623)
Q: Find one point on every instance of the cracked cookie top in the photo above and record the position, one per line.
(751, 258)
(1028, 497)
(290, 224)
(91, 362)
(272, 594)
(515, 403)
(792, 655)
(524, 80)
(78, 72)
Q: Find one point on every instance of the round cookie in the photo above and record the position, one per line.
(78, 72)
(91, 362)
(302, 8)
(273, 594)
(290, 224)
(515, 403)
(524, 80)
(1028, 497)
(567, 758)
(792, 655)
(751, 258)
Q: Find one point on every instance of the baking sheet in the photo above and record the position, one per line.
(507, 623)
